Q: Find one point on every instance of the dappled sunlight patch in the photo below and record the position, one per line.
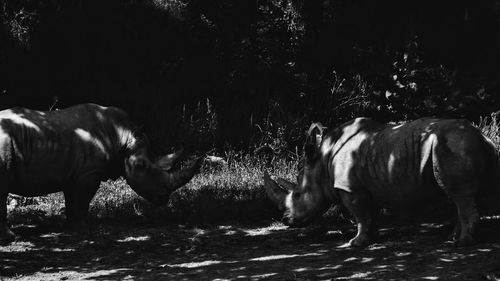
(366, 260)
(384, 230)
(321, 251)
(301, 269)
(230, 232)
(248, 277)
(135, 239)
(358, 275)
(453, 257)
(344, 246)
(198, 264)
(334, 232)
(18, 246)
(125, 136)
(264, 230)
(280, 257)
(484, 250)
(397, 126)
(63, 249)
(77, 275)
(224, 227)
(238, 268)
(376, 247)
(197, 234)
(198, 231)
(54, 235)
(432, 225)
(18, 119)
(487, 218)
(330, 267)
(402, 254)
(400, 267)
(85, 136)
(265, 275)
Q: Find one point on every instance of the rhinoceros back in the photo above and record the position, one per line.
(402, 166)
(41, 151)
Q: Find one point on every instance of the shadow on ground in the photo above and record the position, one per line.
(140, 249)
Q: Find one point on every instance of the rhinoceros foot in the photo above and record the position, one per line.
(358, 241)
(465, 241)
(6, 235)
(455, 233)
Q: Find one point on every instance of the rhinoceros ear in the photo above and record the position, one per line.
(276, 193)
(313, 141)
(315, 134)
(168, 161)
(137, 165)
(285, 183)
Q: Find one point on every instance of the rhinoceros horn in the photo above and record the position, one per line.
(276, 193)
(168, 161)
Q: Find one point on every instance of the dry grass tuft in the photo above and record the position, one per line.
(232, 191)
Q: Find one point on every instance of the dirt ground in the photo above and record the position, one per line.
(149, 250)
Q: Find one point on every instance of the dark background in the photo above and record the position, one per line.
(246, 74)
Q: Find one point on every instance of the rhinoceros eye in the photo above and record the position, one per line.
(296, 195)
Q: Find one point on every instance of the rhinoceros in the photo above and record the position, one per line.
(365, 165)
(72, 150)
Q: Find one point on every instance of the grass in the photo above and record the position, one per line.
(229, 192)
(232, 191)
(490, 127)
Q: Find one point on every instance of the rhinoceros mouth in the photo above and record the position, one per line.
(156, 198)
(297, 223)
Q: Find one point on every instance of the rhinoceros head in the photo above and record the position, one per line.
(155, 181)
(306, 200)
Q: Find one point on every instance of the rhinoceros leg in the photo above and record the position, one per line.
(360, 206)
(6, 235)
(77, 200)
(458, 173)
(75, 220)
(455, 234)
(468, 217)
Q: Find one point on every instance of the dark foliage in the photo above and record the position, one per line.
(251, 73)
